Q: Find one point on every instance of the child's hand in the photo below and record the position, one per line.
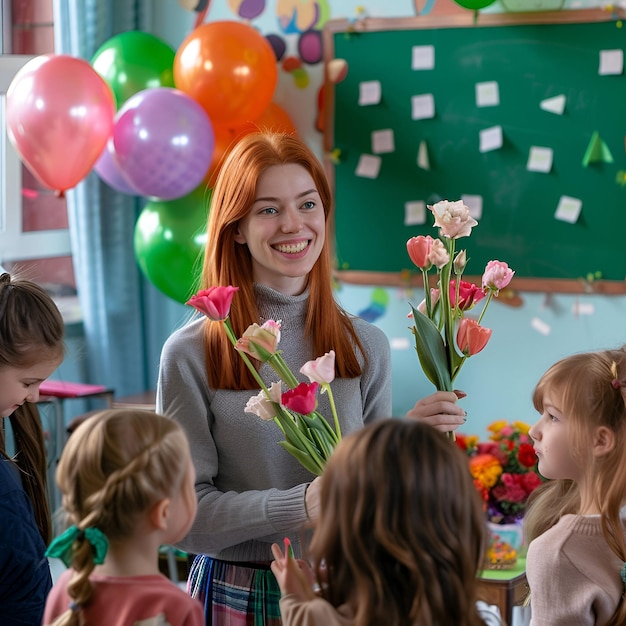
(293, 576)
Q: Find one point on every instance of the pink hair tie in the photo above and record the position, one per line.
(616, 384)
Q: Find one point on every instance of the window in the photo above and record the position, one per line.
(33, 221)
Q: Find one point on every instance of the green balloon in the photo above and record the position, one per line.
(169, 242)
(133, 61)
(474, 4)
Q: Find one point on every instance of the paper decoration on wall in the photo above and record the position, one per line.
(474, 204)
(487, 94)
(568, 209)
(597, 151)
(554, 105)
(377, 307)
(414, 213)
(423, 106)
(336, 70)
(539, 159)
(611, 62)
(583, 308)
(370, 92)
(368, 166)
(423, 58)
(382, 141)
(540, 326)
(490, 139)
(422, 156)
(399, 343)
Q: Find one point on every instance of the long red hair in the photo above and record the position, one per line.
(229, 263)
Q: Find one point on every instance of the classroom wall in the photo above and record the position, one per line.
(526, 339)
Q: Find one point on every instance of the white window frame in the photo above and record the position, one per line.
(16, 245)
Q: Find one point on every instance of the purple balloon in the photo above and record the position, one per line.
(107, 168)
(163, 142)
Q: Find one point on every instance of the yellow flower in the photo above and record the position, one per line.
(495, 428)
(523, 427)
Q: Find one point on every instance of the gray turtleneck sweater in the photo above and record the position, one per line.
(250, 490)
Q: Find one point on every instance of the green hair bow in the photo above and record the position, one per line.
(63, 546)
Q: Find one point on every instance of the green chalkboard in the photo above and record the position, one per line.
(532, 58)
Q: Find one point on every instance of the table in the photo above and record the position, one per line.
(504, 588)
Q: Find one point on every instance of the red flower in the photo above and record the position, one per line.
(302, 399)
(526, 455)
(469, 294)
(214, 302)
(530, 481)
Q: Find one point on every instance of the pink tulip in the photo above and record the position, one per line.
(322, 370)
(259, 341)
(497, 276)
(302, 399)
(419, 250)
(214, 302)
(471, 337)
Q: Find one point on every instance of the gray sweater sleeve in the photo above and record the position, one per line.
(250, 491)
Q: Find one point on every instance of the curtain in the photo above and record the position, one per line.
(126, 319)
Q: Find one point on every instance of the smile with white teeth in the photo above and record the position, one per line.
(291, 248)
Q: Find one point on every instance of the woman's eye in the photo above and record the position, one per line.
(269, 211)
(308, 205)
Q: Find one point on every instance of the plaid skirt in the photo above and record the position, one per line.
(235, 594)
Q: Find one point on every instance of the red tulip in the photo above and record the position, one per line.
(214, 302)
(469, 294)
(472, 337)
(302, 399)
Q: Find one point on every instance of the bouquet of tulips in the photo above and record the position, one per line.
(444, 336)
(308, 436)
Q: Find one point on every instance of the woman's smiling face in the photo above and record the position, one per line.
(285, 228)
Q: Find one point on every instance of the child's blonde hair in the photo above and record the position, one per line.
(115, 466)
(590, 389)
(401, 531)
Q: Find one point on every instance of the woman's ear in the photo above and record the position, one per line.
(239, 237)
(604, 441)
(159, 514)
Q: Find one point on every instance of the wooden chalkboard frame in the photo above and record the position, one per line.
(462, 20)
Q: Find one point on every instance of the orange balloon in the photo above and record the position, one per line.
(274, 117)
(225, 139)
(59, 118)
(229, 68)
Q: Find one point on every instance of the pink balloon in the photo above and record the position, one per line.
(59, 114)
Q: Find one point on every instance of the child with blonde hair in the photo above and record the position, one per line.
(128, 487)
(576, 564)
(31, 348)
(399, 539)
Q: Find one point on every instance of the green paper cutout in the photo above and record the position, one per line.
(597, 151)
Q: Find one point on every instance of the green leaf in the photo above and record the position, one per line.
(303, 458)
(431, 351)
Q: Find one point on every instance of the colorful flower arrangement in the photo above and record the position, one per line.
(504, 469)
(308, 436)
(444, 337)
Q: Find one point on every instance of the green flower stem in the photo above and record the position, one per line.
(457, 369)
(489, 296)
(277, 363)
(444, 296)
(231, 335)
(326, 387)
(429, 306)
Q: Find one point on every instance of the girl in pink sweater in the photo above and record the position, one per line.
(576, 564)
